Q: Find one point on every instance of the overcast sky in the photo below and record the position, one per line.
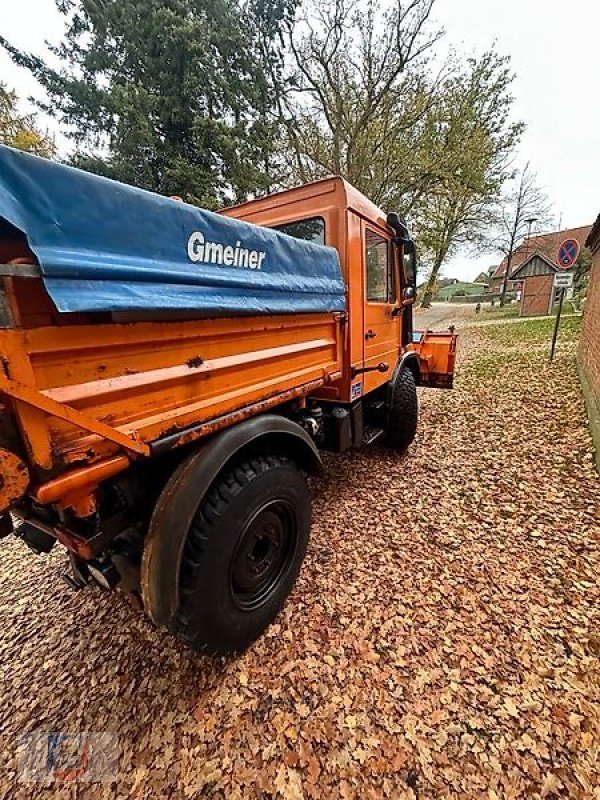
(554, 55)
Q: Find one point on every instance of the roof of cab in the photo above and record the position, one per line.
(347, 196)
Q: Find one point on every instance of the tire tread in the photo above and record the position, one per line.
(204, 526)
(403, 412)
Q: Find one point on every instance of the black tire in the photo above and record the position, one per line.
(403, 411)
(242, 555)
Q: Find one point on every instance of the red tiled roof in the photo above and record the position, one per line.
(546, 244)
(594, 236)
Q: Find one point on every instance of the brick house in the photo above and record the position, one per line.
(536, 278)
(589, 343)
(544, 244)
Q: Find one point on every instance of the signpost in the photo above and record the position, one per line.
(568, 252)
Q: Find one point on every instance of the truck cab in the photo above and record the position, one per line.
(378, 261)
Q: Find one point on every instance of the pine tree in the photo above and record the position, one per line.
(176, 96)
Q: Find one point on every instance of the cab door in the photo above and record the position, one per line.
(381, 320)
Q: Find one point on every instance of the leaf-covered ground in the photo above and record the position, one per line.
(443, 639)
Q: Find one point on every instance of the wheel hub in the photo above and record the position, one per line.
(261, 554)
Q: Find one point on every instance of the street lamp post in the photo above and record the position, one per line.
(530, 222)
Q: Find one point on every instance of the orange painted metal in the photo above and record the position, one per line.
(90, 393)
(214, 425)
(382, 328)
(14, 479)
(32, 397)
(437, 355)
(346, 213)
(73, 481)
(85, 394)
(85, 548)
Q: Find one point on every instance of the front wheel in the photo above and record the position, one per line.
(242, 554)
(403, 411)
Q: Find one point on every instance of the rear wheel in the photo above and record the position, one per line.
(242, 554)
(403, 411)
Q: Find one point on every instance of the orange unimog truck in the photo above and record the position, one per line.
(169, 375)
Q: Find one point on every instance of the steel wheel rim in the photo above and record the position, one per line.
(262, 554)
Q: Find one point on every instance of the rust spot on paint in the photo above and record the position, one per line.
(14, 477)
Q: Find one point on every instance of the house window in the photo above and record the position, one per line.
(311, 229)
(380, 274)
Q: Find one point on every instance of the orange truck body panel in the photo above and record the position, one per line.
(92, 393)
(88, 392)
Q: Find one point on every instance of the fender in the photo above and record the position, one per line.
(408, 360)
(185, 490)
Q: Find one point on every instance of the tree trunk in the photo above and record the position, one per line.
(428, 293)
(505, 279)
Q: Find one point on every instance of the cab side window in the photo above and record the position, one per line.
(311, 229)
(380, 273)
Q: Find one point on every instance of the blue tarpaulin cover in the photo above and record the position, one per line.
(105, 246)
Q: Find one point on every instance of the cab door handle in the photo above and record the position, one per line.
(370, 334)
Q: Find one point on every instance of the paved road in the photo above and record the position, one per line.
(442, 640)
(442, 315)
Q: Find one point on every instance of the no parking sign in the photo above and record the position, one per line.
(568, 253)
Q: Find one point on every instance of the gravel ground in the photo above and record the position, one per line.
(441, 315)
(442, 640)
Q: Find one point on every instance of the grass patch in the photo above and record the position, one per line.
(568, 307)
(533, 331)
(496, 312)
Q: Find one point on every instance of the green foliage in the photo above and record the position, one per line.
(470, 137)
(20, 130)
(179, 97)
(198, 99)
(582, 268)
(369, 108)
(460, 289)
(501, 312)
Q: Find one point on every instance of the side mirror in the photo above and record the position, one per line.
(408, 296)
(395, 221)
(410, 263)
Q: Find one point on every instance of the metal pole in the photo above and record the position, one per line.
(556, 323)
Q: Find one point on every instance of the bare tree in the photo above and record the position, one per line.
(525, 203)
(360, 91)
